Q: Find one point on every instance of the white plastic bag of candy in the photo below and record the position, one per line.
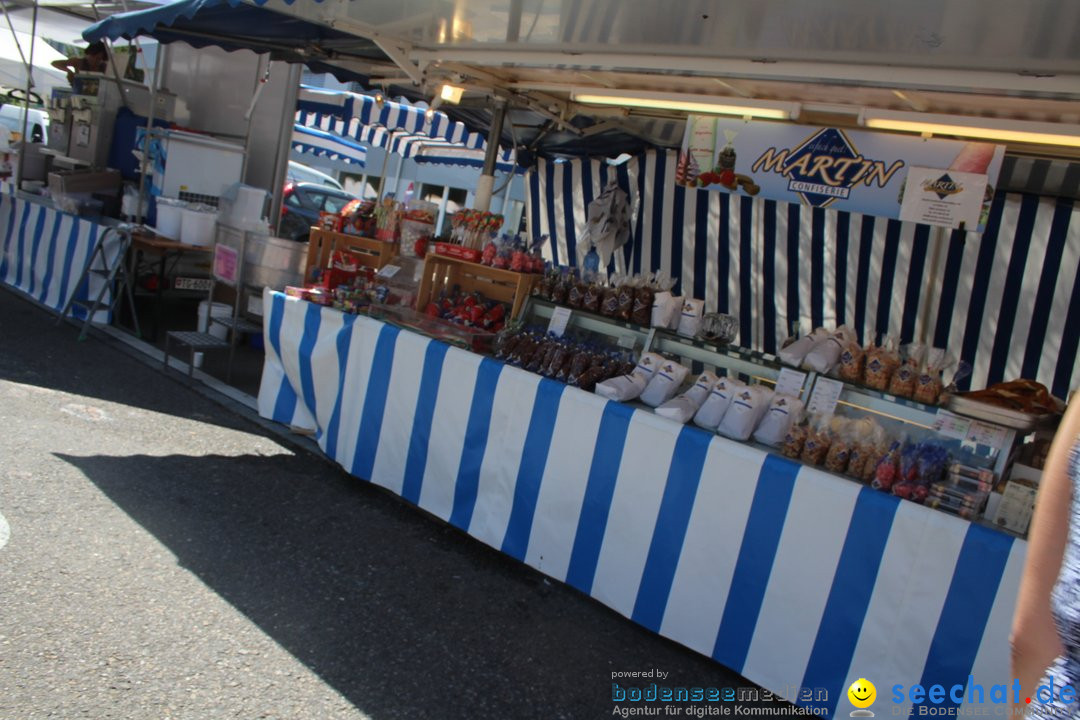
(794, 353)
(665, 307)
(682, 408)
(744, 413)
(690, 319)
(716, 404)
(826, 351)
(665, 383)
(629, 387)
(784, 411)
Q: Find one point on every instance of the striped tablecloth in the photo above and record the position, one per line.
(791, 576)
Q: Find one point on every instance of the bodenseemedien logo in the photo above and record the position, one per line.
(862, 694)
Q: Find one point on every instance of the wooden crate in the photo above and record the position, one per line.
(322, 244)
(442, 272)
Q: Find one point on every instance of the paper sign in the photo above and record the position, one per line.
(944, 197)
(984, 434)
(560, 316)
(825, 396)
(226, 263)
(389, 271)
(952, 426)
(790, 382)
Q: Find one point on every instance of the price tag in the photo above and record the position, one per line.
(560, 316)
(389, 271)
(984, 434)
(825, 396)
(790, 382)
(951, 425)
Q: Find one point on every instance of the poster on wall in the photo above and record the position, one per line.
(851, 170)
(944, 197)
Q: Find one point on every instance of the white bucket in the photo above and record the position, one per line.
(169, 220)
(206, 311)
(197, 227)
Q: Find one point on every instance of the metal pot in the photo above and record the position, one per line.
(273, 262)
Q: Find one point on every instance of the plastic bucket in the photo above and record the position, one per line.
(206, 311)
(197, 227)
(169, 220)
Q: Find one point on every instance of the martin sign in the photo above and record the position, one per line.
(842, 169)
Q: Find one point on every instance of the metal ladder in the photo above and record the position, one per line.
(117, 280)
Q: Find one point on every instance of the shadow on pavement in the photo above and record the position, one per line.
(405, 616)
(39, 352)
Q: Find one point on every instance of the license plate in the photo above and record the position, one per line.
(186, 283)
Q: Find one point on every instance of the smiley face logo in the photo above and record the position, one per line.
(862, 694)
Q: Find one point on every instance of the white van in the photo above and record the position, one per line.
(302, 173)
(11, 117)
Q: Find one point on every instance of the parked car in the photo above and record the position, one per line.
(11, 117)
(301, 204)
(300, 173)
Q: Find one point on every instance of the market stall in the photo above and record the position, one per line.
(795, 576)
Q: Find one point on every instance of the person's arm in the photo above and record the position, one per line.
(1034, 639)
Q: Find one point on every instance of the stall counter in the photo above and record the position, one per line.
(43, 251)
(791, 576)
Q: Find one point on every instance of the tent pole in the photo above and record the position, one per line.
(442, 208)
(284, 146)
(486, 182)
(382, 175)
(155, 80)
(397, 176)
(25, 141)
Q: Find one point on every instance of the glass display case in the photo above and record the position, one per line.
(979, 450)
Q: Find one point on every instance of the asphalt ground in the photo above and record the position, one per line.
(169, 555)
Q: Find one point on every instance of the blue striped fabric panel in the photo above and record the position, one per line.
(43, 253)
(786, 574)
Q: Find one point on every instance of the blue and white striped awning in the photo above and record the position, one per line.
(352, 114)
(397, 127)
(328, 145)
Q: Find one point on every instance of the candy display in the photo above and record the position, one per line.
(639, 299)
(473, 228)
(903, 381)
(512, 253)
(819, 439)
(469, 310)
(576, 363)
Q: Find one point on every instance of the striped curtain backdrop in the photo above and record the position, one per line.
(1007, 302)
